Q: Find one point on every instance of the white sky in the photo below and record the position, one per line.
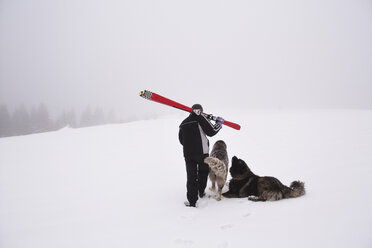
(236, 53)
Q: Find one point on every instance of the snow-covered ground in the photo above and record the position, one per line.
(124, 185)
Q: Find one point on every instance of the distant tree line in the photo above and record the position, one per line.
(22, 121)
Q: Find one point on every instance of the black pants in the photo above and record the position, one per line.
(197, 176)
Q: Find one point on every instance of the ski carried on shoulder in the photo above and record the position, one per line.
(163, 100)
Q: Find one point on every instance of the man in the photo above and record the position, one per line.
(193, 136)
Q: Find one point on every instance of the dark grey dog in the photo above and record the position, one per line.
(245, 183)
(218, 161)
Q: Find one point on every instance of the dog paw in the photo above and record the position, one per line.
(253, 198)
(212, 189)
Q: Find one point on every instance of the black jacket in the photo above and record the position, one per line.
(193, 135)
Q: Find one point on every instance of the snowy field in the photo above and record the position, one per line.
(124, 185)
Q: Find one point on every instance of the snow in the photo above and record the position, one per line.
(123, 185)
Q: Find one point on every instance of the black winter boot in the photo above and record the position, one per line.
(188, 204)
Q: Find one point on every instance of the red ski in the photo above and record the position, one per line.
(160, 99)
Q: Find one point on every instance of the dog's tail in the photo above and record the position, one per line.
(297, 189)
(217, 166)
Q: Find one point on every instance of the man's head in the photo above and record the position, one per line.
(197, 109)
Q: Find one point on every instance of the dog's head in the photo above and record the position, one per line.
(219, 145)
(238, 167)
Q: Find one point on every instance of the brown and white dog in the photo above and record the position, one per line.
(218, 161)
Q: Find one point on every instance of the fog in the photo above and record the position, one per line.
(222, 54)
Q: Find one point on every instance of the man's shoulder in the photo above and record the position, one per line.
(189, 119)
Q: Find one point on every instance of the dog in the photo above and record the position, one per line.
(244, 183)
(218, 161)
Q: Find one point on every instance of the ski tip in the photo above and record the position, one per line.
(145, 94)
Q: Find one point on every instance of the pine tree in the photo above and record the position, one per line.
(71, 118)
(62, 121)
(40, 119)
(5, 122)
(44, 122)
(33, 120)
(98, 117)
(111, 117)
(86, 118)
(21, 121)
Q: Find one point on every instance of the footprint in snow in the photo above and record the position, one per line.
(203, 203)
(226, 226)
(184, 242)
(223, 244)
(190, 215)
(246, 215)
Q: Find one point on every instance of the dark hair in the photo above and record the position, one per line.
(197, 106)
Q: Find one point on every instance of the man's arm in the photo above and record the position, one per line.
(180, 136)
(208, 127)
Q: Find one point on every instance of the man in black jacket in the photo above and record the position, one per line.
(193, 136)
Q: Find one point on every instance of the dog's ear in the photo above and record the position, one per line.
(234, 158)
